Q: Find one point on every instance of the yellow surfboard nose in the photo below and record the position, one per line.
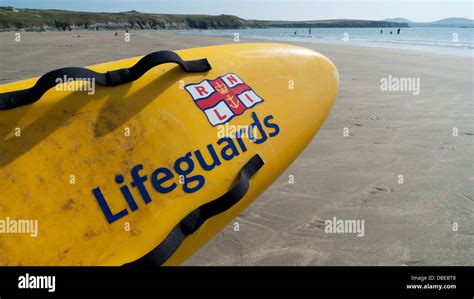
(147, 168)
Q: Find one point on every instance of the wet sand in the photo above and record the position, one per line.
(347, 177)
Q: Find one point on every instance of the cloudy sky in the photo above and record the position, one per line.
(415, 10)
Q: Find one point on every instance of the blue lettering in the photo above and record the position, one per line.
(202, 162)
(199, 179)
(274, 126)
(138, 183)
(161, 178)
(105, 207)
(158, 182)
(126, 193)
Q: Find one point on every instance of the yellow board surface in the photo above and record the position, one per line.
(55, 152)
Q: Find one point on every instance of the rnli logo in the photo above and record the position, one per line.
(223, 98)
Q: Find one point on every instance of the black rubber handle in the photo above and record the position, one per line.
(14, 99)
(194, 220)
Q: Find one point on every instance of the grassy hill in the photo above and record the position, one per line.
(39, 19)
(68, 20)
(448, 22)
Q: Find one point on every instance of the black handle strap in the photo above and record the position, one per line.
(14, 99)
(194, 220)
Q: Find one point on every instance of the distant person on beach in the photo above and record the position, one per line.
(381, 31)
(391, 32)
(398, 31)
(309, 31)
(295, 32)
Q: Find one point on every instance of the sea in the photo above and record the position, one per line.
(456, 41)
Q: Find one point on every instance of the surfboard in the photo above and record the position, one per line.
(142, 161)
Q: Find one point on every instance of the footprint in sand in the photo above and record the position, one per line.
(375, 190)
(374, 118)
(310, 229)
(465, 196)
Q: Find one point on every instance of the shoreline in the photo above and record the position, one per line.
(78, 43)
(404, 46)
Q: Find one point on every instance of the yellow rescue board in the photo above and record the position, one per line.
(108, 176)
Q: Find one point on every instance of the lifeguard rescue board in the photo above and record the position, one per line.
(142, 161)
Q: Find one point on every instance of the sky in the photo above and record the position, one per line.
(415, 10)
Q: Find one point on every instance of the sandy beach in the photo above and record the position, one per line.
(425, 217)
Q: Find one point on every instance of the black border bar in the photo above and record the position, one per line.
(222, 282)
